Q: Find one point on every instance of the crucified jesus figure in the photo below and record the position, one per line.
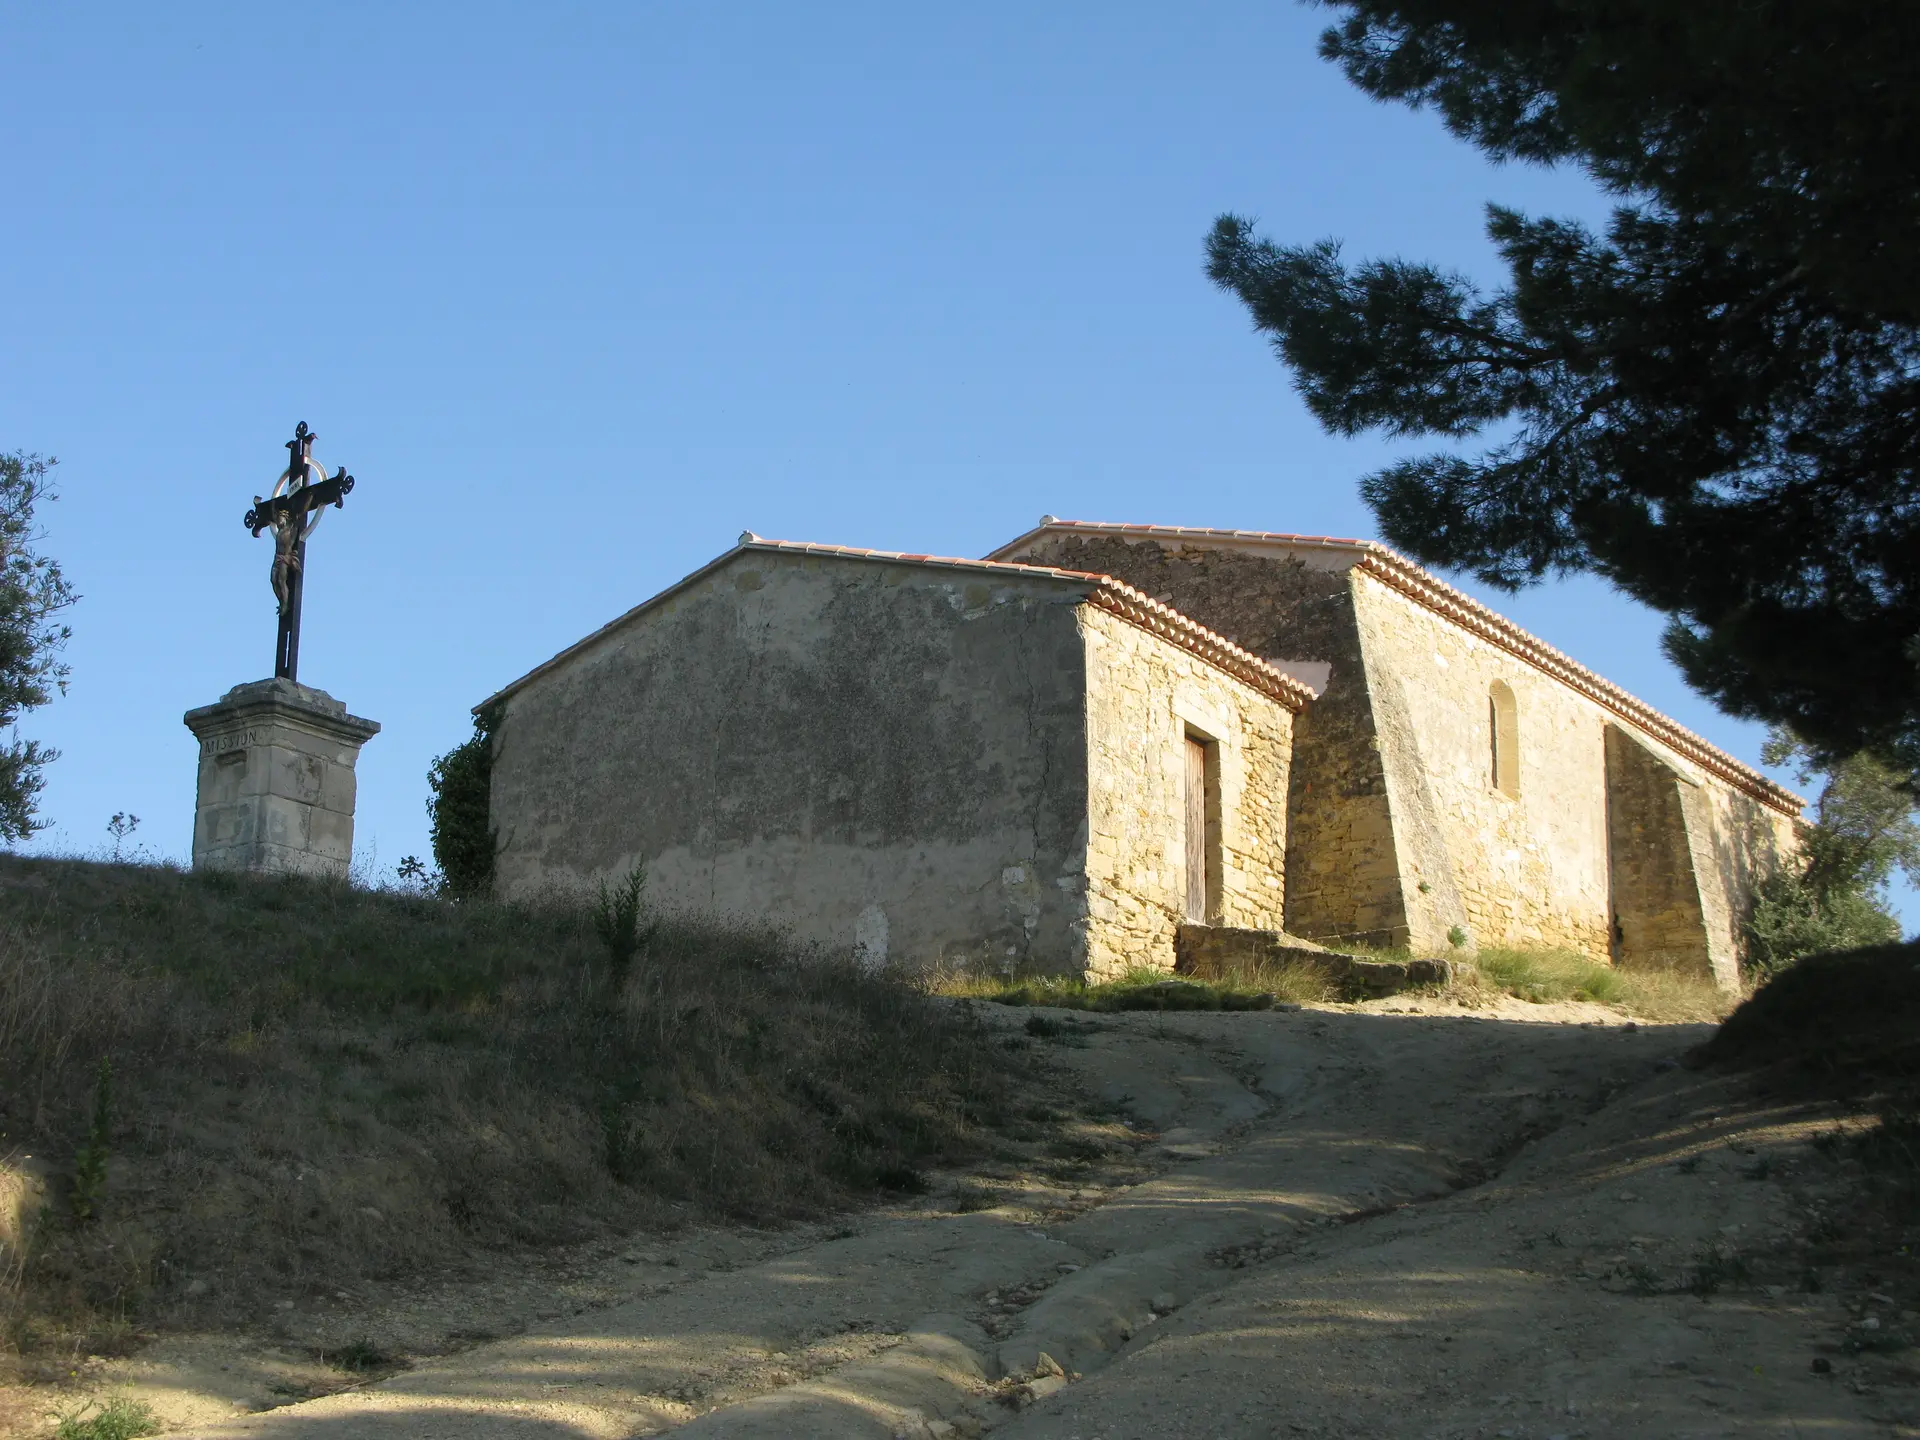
(289, 529)
(299, 497)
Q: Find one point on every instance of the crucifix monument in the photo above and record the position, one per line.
(277, 785)
(293, 512)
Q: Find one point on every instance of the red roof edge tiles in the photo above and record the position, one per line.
(1114, 596)
(1426, 589)
(1111, 595)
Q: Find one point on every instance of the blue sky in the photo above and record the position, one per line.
(579, 292)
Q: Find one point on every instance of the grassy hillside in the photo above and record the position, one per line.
(309, 1084)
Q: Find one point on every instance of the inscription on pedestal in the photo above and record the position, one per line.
(223, 744)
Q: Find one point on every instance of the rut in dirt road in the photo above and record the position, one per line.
(1272, 1127)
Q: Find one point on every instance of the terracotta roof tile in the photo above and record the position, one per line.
(1112, 595)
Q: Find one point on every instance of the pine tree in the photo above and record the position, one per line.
(1715, 403)
(32, 593)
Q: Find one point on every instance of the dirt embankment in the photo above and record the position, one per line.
(1390, 1220)
(228, 1100)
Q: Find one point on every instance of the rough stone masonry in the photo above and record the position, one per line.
(1605, 827)
(930, 762)
(1055, 758)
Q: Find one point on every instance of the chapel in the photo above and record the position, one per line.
(1059, 757)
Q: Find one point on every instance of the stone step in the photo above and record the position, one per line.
(1212, 949)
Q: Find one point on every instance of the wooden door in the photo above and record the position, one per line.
(1196, 831)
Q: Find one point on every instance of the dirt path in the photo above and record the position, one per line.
(1376, 1221)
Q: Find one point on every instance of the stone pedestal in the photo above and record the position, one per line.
(276, 780)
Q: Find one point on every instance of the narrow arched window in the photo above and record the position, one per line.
(1503, 739)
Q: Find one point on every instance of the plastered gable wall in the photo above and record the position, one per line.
(1144, 698)
(880, 756)
(1343, 876)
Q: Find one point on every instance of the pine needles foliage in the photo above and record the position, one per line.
(1711, 400)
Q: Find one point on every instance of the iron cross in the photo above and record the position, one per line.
(291, 512)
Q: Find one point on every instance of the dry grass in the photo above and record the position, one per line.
(1667, 996)
(1241, 987)
(1292, 981)
(1549, 975)
(1845, 1026)
(1543, 976)
(1539, 976)
(315, 1085)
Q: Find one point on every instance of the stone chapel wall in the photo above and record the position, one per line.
(1397, 831)
(1658, 823)
(887, 758)
(1608, 843)
(1145, 697)
(1526, 869)
(1751, 841)
(1343, 877)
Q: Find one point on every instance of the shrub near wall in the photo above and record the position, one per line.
(1864, 828)
(459, 801)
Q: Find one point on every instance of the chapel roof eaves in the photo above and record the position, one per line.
(1428, 590)
(1114, 596)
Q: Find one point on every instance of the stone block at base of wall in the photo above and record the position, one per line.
(1211, 949)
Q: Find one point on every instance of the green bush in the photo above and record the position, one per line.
(461, 785)
(32, 593)
(1791, 919)
(1864, 828)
